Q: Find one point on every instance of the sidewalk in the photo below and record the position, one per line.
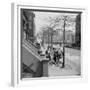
(57, 71)
(72, 65)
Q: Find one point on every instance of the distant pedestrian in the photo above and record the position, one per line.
(55, 56)
(48, 53)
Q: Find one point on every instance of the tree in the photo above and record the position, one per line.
(66, 21)
(61, 21)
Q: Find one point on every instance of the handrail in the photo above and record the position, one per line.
(31, 44)
(31, 51)
(36, 52)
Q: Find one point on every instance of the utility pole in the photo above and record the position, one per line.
(51, 32)
(63, 64)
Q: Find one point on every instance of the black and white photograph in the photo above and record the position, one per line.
(50, 43)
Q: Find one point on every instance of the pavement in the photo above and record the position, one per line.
(72, 64)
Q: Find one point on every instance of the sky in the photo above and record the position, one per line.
(41, 19)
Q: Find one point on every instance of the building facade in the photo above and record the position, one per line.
(78, 31)
(27, 24)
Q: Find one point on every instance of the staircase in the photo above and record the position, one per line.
(32, 48)
(31, 59)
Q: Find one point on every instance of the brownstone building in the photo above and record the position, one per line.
(28, 24)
